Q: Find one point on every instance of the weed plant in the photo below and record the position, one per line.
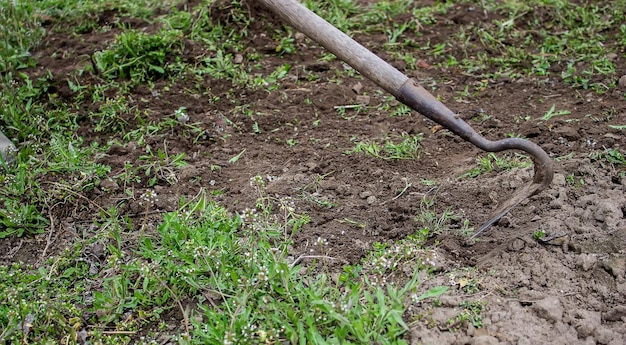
(234, 268)
(407, 148)
(495, 163)
(139, 56)
(613, 157)
(432, 223)
(20, 32)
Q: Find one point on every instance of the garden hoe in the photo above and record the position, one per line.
(409, 92)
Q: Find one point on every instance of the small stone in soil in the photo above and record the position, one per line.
(363, 99)
(615, 265)
(516, 245)
(586, 322)
(549, 308)
(485, 340)
(603, 335)
(622, 82)
(615, 314)
(366, 194)
(8, 151)
(109, 185)
(586, 261)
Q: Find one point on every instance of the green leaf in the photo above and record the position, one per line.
(396, 315)
(236, 158)
(433, 292)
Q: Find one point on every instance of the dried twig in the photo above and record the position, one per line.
(49, 239)
(302, 257)
(180, 305)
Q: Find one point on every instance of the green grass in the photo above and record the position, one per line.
(407, 147)
(20, 32)
(612, 158)
(521, 44)
(138, 56)
(235, 267)
(227, 275)
(161, 166)
(26, 192)
(553, 113)
(495, 163)
(432, 222)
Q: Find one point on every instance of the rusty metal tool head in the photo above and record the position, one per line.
(409, 92)
(416, 97)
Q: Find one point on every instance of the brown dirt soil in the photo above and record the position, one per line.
(569, 289)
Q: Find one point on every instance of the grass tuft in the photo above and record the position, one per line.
(139, 56)
(407, 148)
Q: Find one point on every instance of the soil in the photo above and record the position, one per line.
(568, 288)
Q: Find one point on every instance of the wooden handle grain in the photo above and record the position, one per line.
(338, 43)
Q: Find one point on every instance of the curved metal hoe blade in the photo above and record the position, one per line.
(416, 97)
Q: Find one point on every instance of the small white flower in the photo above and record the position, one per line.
(263, 274)
(149, 196)
(321, 241)
(257, 181)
